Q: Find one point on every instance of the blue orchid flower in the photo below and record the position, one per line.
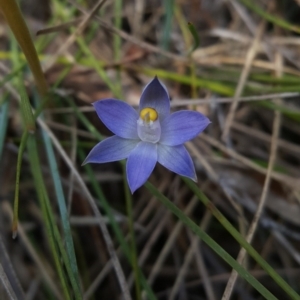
(148, 136)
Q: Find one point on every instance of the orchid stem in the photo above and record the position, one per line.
(133, 251)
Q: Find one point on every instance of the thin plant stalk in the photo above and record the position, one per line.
(132, 237)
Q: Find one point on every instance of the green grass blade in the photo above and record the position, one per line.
(11, 75)
(27, 114)
(15, 20)
(285, 79)
(98, 66)
(41, 191)
(62, 208)
(288, 112)
(85, 120)
(199, 82)
(67, 263)
(29, 123)
(3, 121)
(195, 36)
(169, 10)
(271, 18)
(39, 183)
(17, 188)
(237, 236)
(210, 242)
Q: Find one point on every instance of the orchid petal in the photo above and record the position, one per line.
(111, 149)
(177, 160)
(182, 126)
(118, 117)
(155, 95)
(140, 164)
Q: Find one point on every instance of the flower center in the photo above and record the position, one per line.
(148, 114)
(148, 125)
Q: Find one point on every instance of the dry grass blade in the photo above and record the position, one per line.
(58, 27)
(213, 174)
(233, 61)
(242, 80)
(194, 251)
(284, 145)
(180, 102)
(253, 226)
(244, 15)
(155, 228)
(287, 180)
(8, 269)
(287, 246)
(96, 211)
(135, 40)
(213, 101)
(45, 271)
(6, 284)
(170, 242)
(72, 38)
(101, 223)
